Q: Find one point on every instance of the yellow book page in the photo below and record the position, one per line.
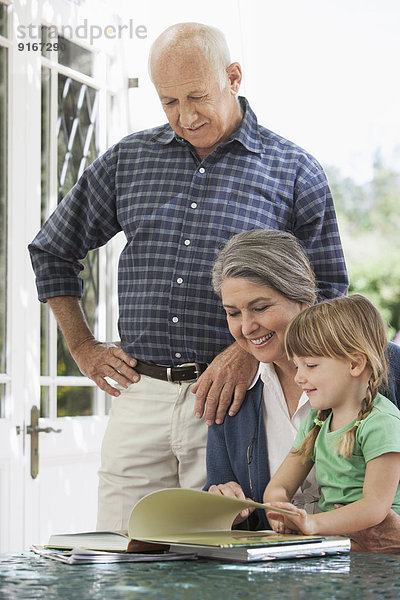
(179, 515)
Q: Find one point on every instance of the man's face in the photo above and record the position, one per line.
(196, 107)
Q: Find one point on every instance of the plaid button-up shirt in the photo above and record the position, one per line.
(176, 214)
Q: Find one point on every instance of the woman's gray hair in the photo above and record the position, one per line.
(267, 257)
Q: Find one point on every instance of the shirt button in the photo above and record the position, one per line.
(178, 355)
(175, 319)
(194, 205)
(202, 170)
(179, 280)
(187, 242)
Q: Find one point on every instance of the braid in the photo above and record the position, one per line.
(306, 448)
(342, 328)
(346, 443)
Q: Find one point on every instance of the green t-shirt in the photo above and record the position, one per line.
(341, 479)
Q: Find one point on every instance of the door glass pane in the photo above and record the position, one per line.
(75, 135)
(77, 148)
(45, 145)
(2, 400)
(75, 401)
(49, 37)
(74, 56)
(44, 401)
(71, 401)
(3, 207)
(3, 20)
(45, 209)
(44, 339)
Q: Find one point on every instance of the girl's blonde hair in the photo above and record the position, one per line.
(341, 328)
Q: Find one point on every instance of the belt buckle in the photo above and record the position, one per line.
(193, 364)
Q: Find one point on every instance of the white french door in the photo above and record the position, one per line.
(53, 109)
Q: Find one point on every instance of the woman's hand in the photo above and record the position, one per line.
(301, 523)
(232, 490)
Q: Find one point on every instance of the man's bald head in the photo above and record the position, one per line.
(183, 39)
(197, 84)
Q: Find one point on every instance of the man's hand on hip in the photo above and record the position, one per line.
(95, 359)
(99, 360)
(227, 377)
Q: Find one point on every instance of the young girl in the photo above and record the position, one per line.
(352, 434)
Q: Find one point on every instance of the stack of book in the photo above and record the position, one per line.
(185, 524)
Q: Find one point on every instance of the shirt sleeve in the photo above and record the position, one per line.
(316, 226)
(305, 427)
(85, 219)
(379, 435)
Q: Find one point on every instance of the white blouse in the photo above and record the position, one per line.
(281, 430)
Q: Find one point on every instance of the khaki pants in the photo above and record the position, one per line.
(152, 441)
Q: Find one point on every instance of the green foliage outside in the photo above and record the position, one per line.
(369, 222)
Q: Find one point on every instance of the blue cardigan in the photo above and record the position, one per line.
(227, 443)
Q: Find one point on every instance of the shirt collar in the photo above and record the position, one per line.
(268, 374)
(265, 371)
(246, 134)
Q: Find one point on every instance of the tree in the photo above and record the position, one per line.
(369, 223)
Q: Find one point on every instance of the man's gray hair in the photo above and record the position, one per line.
(210, 39)
(267, 257)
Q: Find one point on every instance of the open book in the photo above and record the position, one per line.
(199, 522)
(190, 516)
(176, 509)
(195, 522)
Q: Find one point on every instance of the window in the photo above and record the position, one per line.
(3, 20)
(69, 144)
(3, 204)
(74, 56)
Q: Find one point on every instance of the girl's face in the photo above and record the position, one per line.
(257, 317)
(329, 382)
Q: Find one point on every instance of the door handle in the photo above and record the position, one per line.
(33, 430)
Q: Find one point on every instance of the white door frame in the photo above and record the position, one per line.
(31, 509)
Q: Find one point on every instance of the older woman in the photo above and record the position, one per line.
(264, 279)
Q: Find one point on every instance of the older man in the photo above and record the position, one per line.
(178, 192)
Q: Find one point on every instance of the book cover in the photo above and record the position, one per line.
(116, 541)
(82, 556)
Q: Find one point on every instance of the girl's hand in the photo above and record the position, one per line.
(301, 523)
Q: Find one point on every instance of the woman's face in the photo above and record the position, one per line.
(257, 317)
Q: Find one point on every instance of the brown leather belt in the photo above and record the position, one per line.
(186, 372)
